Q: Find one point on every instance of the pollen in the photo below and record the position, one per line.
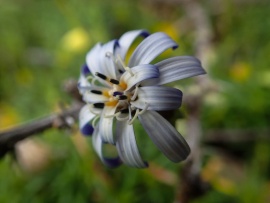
(106, 93)
(111, 103)
(123, 85)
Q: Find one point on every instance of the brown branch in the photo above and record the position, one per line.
(9, 137)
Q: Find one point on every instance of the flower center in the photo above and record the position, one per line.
(117, 95)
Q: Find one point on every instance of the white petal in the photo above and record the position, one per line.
(106, 125)
(158, 98)
(85, 117)
(150, 48)
(178, 68)
(92, 59)
(88, 96)
(126, 145)
(98, 145)
(165, 136)
(140, 73)
(106, 59)
(83, 84)
(127, 39)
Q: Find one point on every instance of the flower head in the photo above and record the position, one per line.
(122, 92)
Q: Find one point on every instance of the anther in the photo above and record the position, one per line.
(116, 82)
(100, 75)
(117, 93)
(96, 91)
(120, 71)
(124, 111)
(122, 97)
(99, 105)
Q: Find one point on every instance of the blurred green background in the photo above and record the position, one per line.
(43, 43)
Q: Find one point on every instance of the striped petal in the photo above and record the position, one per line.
(98, 145)
(85, 117)
(140, 73)
(127, 39)
(178, 68)
(106, 59)
(127, 147)
(106, 125)
(150, 48)
(165, 136)
(158, 98)
(92, 59)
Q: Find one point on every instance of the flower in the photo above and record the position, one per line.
(116, 92)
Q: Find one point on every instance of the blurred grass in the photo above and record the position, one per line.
(44, 43)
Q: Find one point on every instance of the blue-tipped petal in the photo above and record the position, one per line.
(85, 70)
(139, 74)
(98, 145)
(85, 117)
(165, 136)
(127, 147)
(178, 68)
(150, 48)
(127, 39)
(158, 98)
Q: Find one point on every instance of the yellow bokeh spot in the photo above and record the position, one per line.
(76, 40)
(214, 173)
(240, 72)
(8, 116)
(169, 28)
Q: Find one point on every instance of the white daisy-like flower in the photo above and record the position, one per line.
(117, 93)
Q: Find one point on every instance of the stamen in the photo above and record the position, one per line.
(100, 75)
(96, 91)
(113, 115)
(123, 65)
(113, 81)
(135, 93)
(89, 77)
(99, 105)
(134, 117)
(94, 122)
(144, 109)
(138, 112)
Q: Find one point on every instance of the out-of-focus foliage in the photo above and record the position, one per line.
(43, 43)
